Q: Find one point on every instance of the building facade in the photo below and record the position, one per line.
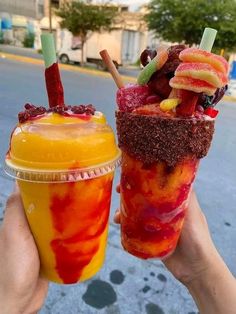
(18, 20)
(28, 8)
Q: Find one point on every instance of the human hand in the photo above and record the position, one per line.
(198, 265)
(22, 291)
(195, 251)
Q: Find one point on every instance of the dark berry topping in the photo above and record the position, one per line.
(23, 116)
(210, 101)
(29, 106)
(147, 55)
(159, 82)
(78, 109)
(219, 94)
(32, 111)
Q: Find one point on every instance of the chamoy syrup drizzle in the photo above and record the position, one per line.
(77, 238)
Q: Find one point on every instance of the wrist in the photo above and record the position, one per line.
(7, 308)
(11, 304)
(210, 268)
(208, 273)
(214, 289)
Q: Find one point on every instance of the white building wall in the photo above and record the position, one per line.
(26, 8)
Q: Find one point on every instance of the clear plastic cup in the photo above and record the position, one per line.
(64, 167)
(153, 205)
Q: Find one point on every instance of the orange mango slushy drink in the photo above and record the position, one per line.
(64, 164)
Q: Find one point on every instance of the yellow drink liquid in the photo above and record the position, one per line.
(64, 166)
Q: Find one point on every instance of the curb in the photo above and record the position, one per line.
(66, 67)
(229, 98)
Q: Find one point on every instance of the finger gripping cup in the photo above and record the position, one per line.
(65, 168)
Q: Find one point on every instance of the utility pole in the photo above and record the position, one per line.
(50, 16)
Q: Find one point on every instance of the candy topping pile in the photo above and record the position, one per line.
(31, 112)
(200, 71)
(180, 81)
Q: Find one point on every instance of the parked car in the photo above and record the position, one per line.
(122, 46)
(67, 55)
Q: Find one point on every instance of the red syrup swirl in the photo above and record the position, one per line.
(82, 116)
(79, 220)
(54, 86)
(154, 205)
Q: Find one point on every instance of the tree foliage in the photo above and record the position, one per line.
(185, 20)
(82, 17)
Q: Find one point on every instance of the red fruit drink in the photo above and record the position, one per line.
(154, 202)
(161, 147)
(158, 169)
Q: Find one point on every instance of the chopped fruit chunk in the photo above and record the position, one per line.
(211, 112)
(194, 85)
(153, 109)
(202, 56)
(132, 96)
(202, 71)
(169, 104)
(188, 103)
(153, 99)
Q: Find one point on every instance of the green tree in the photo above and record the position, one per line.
(185, 20)
(28, 41)
(83, 17)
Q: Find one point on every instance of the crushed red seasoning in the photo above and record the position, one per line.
(141, 136)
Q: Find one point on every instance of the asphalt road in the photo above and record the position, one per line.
(125, 284)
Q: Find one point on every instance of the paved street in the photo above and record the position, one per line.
(126, 285)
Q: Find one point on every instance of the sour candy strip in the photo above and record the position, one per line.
(202, 71)
(52, 75)
(153, 66)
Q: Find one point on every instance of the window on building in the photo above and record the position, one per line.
(55, 3)
(40, 9)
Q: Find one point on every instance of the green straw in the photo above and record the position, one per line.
(208, 39)
(48, 47)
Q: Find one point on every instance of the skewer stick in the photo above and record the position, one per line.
(112, 69)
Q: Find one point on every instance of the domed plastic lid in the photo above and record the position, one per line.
(60, 148)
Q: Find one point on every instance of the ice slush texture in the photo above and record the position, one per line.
(153, 205)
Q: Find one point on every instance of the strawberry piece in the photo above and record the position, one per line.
(132, 96)
(188, 103)
(211, 112)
